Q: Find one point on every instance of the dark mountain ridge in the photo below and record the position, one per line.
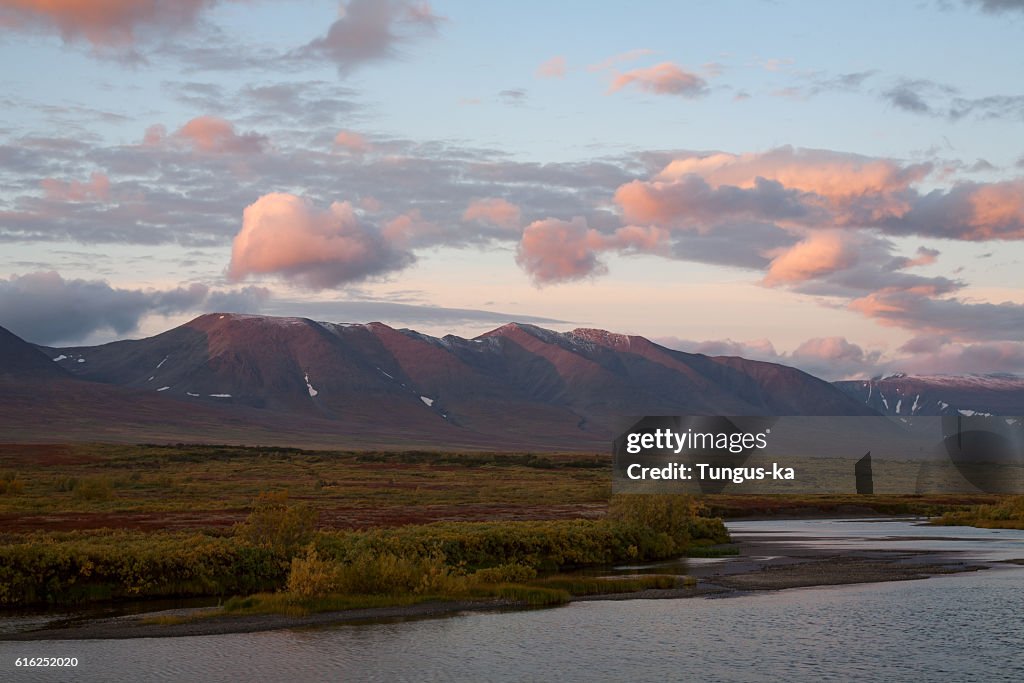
(515, 386)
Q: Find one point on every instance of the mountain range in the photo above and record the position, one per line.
(905, 395)
(294, 381)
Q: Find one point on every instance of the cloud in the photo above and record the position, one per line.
(102, 23)
(393, 313)
(410, 229)
(929, 98)
(910, 96)
(967, 211)
(286, 235)
(822, 189)
(96, 189)
(819, 83)
(630, 56)
(997, 6)
(818, 254)
(692, 203)
(925, 257)
(662, 79)
(45, 308)
(213, 135)
(837, 176)
(955, 359)
(372, 30)
(920, 309)
(352, 142)
(829, 358)
(553, 250)
(514, 96)
(495, 210)
(835, 358)
(552, 68)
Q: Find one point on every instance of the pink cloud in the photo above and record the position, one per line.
(835, 176)
(552, 68)
(821, 189)
(96, 189)
(662, 79)
(103, 23)
(997, 208)
(214, 135)
(410, 230)
(553, 250)
(496, 211)
(285, 235)
(630, 56)
(154, 135)
(925, 257)
(830, 348)
(352, 141)
(816, 255)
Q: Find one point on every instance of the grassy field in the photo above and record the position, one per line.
(86, 486)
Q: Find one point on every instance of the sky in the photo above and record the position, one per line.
(836, 186)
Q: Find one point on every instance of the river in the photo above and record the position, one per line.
(964, 627)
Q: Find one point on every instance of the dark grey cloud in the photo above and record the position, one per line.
(992, 107)
(907, 97)
(514, 96)
(920, 310)
(997, 6)
(45, 308)
(821, 83)
(742, 245)
(371, 30)
(930, 98)
(299, 105)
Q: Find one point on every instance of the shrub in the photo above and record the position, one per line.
(278, 526)
(384, 573)
(312, 576)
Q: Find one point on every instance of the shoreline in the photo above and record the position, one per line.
(761, 566)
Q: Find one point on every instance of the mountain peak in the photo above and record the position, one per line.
(612, 340)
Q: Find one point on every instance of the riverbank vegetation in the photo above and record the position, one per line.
(1006, 514)
(278, 548)
(86, 523)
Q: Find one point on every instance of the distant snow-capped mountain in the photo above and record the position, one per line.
(906, 395)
